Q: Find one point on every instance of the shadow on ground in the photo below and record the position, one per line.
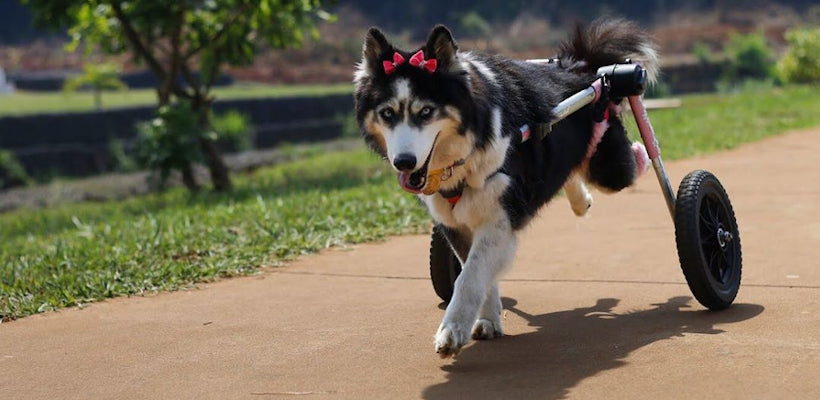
(569, 346)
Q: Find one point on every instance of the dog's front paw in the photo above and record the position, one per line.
(484, 329)
(449, 340)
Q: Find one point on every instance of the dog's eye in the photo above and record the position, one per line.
(386, 113)
(426, 112)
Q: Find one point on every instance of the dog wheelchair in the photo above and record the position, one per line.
(706, 232)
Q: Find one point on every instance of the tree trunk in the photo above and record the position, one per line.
(220, 176)
(98, 99)
(189, 179)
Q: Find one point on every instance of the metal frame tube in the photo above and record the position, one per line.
(576, 102)
(653, 149)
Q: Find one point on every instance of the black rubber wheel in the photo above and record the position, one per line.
(444, 265)
(708, 240)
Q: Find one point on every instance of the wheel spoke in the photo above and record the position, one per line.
(705, 221)
(714, 263)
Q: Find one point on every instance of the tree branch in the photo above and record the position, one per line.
(213, 72)
(171, 81)
(192, 80)
(134, 38)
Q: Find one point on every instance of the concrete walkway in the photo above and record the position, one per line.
(596, 308)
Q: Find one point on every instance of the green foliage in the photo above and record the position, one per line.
(749, 57)
(801, 63)
(473, 25)
(170, 141)
(234, 131)
(703, 53)
(12, 172)
(195, 36)
(97, 77)
(202, 34)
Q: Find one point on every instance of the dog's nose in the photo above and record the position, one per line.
(404, 162)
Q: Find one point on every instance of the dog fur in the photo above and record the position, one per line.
(471, 110)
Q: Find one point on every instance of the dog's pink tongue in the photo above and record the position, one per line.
(404, 181)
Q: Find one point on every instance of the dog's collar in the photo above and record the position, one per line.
(453, 195)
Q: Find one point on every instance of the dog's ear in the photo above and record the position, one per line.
(442, 47)
(375, 47)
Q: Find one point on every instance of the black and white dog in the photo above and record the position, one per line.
(453, 125)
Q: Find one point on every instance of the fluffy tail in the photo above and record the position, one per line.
(610, 41)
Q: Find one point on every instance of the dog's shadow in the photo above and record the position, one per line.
(569, 346)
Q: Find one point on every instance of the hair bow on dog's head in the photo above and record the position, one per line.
(390, 66)
(417, 60)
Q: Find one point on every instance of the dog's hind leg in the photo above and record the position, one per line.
(613, 166)
(578, 195)
(488, 324)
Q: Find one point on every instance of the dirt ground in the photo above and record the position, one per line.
(595, 308)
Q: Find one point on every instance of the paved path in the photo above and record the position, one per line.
(596, 308)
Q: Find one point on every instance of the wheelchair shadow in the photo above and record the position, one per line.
(569, 346)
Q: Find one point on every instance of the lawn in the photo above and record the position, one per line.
(22, 103)
(74, 254)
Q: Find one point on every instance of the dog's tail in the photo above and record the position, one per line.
(610, 41)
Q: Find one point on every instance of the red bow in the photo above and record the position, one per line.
(390, 67)
(418, 61)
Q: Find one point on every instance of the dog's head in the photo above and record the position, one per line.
(413, 107)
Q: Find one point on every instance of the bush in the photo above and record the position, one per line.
(12, 172)
(801, 63)
(702, 52)
(171, 141)
(234, 131)
(748, 57)
(123, 162)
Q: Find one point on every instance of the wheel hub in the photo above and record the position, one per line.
(723, 237)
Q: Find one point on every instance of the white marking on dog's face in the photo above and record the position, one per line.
(407, 138)
(402, 89)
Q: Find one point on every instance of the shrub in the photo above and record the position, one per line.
(702, 52)
(472, 24)
(234, 131)
(171, 141)
(12, 172)
(748, 57)
(801, 63)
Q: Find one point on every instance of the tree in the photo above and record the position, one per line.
(185, 43)
(98, 78)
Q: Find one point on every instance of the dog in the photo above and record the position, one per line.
(454, 126)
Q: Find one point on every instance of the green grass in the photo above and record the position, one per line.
(75, 254)
(22, 103)
(78, 253)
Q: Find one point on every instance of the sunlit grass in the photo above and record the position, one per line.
(22, 103)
